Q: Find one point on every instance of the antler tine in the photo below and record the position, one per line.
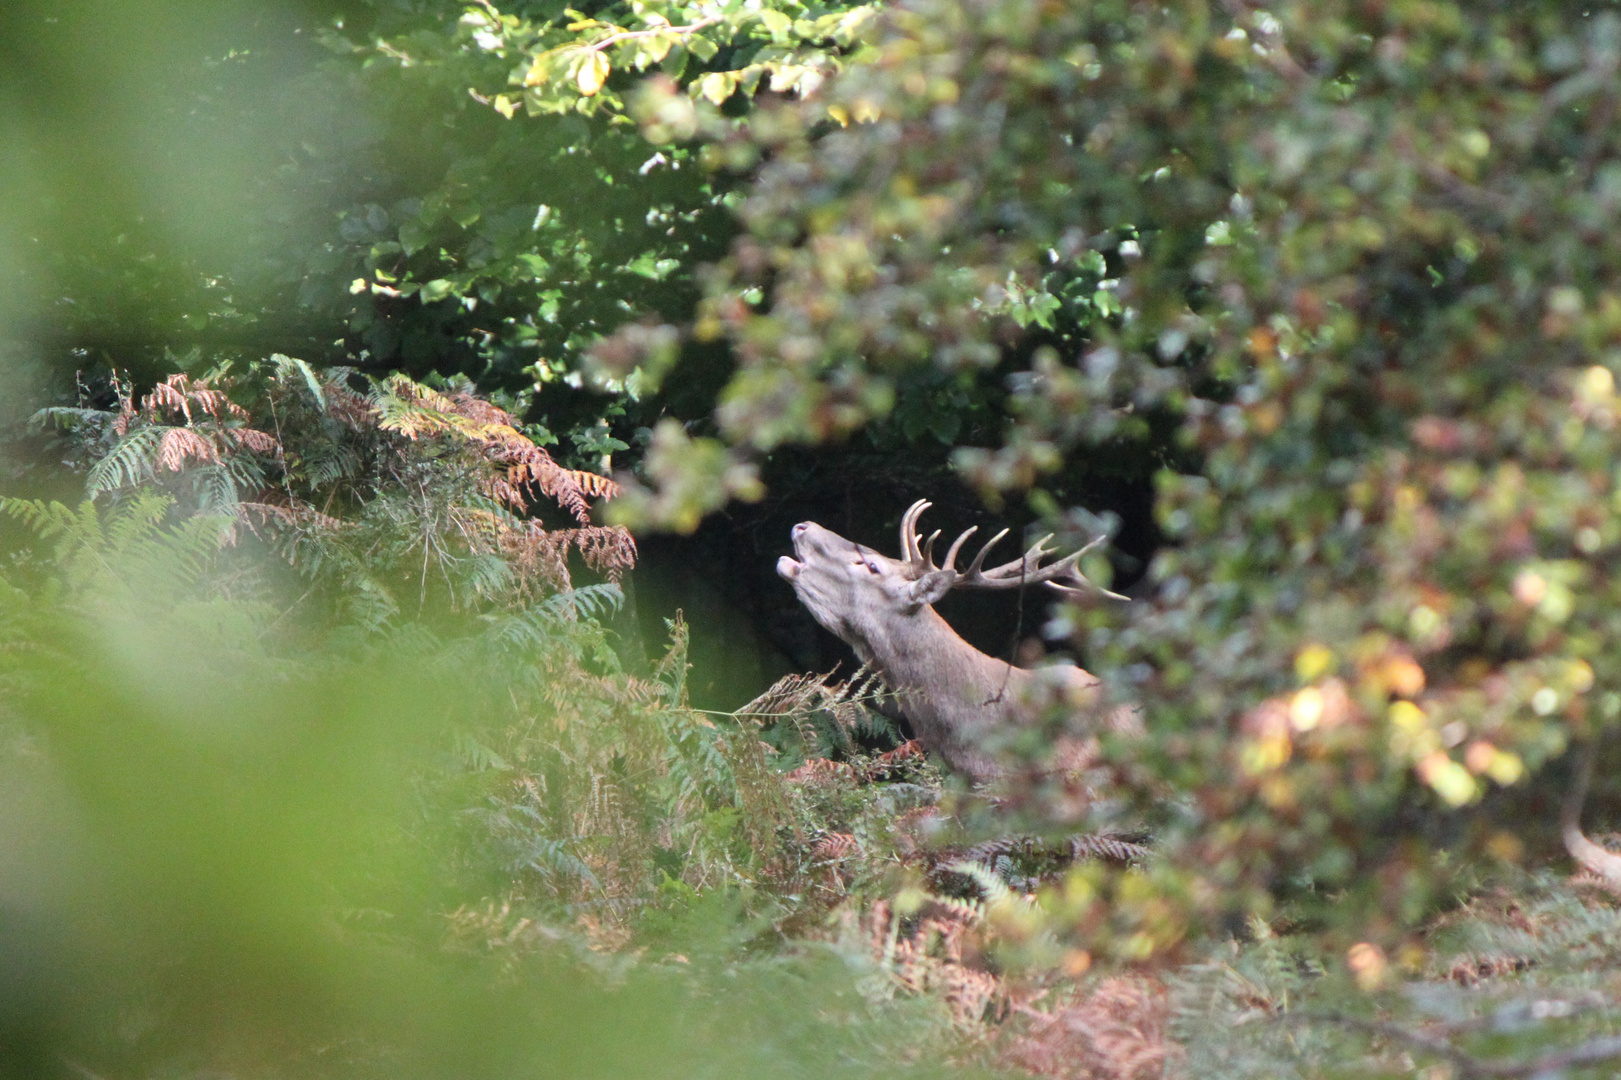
(928, 549)
(1020, 570)
(1075, 573)
(972, 573)
(1027, 570)
(951, 555)
(1091, 587)
(909, 549)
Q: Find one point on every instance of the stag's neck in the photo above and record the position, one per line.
(929, 656)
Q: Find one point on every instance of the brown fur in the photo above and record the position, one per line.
(953, 694)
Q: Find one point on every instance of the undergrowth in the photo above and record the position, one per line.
(289, 809)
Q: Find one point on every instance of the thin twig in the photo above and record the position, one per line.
(630, 35)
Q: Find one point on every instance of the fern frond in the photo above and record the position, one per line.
(990, 883)
(324, 462)
(286, 366)
(168, 395)
(216, 488)
(132, 460)
(68, 418)
(292, 515)
(136, 522)
(259, 442)
(488, 575)
(44, 519)
(182, 444)
(1109, 847)
(536, 628)
(595, 602)
(609, 550)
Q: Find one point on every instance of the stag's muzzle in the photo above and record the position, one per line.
(788, 567)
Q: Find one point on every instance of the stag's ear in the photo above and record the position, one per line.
(929, 588)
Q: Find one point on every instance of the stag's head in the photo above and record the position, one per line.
(851, 589)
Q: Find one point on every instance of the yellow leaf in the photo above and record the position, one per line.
(539, 72)
(1313, 662)
(784, 77)
(505, 105)
(1407, 717)
(1264, 754)
(1449, 779)
(657, 47)
(592, 74)
(717, 86)
(1506, 767)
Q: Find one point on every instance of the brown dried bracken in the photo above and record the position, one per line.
(1116, 1030)
(415, 411)
(932, 952)
(185, 423)
(516, 471)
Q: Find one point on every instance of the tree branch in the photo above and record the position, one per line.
(629, 35)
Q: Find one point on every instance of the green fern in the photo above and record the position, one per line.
(71, 418)
(593, 602)
(52, 519)
(289, 366)
(134, 542)
(132, 460)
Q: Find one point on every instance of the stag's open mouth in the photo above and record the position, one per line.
(789, 567)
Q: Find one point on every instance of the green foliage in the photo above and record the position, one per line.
(1369, 329)
(1510, 986)
(404, 490)
(238, 855)
(1379, 324)
(306, 841)
(398, 209)
(565, 63)
(98, 559)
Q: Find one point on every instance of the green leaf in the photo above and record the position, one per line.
(654, 49)
(702, 47)
(437, 289)
(286, 364)
(414, 236)
(534, 265)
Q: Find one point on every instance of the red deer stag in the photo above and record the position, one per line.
(953, 694)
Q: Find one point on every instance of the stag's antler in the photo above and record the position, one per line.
(1026, 570)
